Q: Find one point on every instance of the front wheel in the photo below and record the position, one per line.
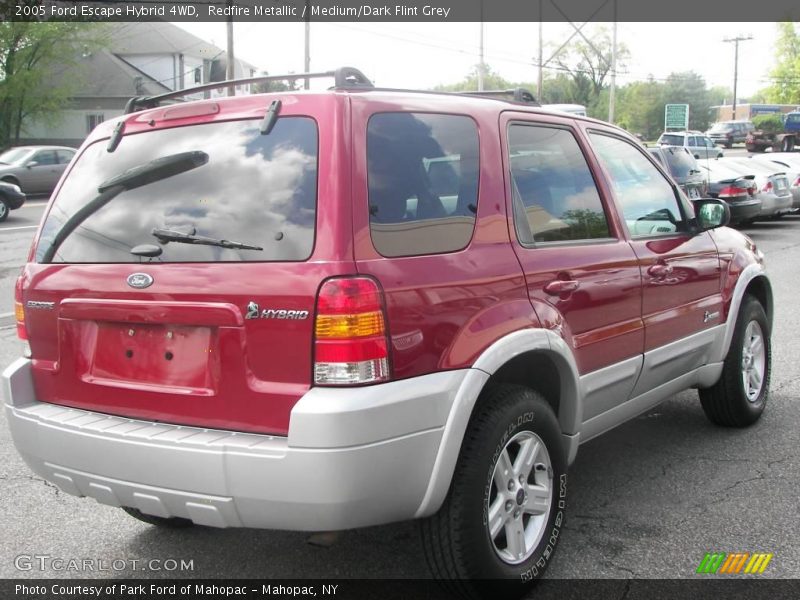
(505, 508)
(739, 397)
(788, 144)
(3, 210)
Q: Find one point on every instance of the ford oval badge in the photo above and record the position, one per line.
(140, 280)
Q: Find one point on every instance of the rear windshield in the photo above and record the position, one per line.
(672, 139)
(679, 162)
(255, 189)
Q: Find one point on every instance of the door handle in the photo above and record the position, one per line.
(660, 270)
(561, 286)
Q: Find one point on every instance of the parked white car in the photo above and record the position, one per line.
(699, 145)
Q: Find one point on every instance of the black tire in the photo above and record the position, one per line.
(728, 402)
(458, 545)
(788, 144)
(170, 523)
(4, 209)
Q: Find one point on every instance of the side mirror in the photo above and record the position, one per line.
(30, 164)
(711, 213)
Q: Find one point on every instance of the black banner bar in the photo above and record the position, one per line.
(405, 10)
(701, 587)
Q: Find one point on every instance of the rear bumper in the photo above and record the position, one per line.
(745, 210)
(772, 204)
(353, 457)
(13, 199)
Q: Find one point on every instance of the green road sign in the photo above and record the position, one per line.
(676, 116)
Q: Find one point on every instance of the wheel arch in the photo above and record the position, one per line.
(535, 358)
(752, 281)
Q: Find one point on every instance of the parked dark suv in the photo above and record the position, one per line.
(326, 310)
(728, 133)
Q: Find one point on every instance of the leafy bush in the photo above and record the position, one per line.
(772, 123)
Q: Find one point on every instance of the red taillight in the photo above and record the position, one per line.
(767, 187)
(350, 345)
(732, 191)
(796, 182)
(19, 311)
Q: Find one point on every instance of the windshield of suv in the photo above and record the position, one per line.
(261, 189)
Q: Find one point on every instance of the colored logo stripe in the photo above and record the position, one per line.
(758, 563)
(734, 563)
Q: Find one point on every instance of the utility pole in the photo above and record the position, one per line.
(736, 40)
(307, 62)
(231, 70)
(481, 66)
(540, 78)
(613, 88)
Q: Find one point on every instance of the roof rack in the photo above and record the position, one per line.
(343, 78)
(518, 95)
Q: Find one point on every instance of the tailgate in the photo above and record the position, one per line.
(169, 353)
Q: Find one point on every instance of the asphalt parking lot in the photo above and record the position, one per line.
(646, 500)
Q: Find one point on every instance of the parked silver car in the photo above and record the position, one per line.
(791, 162)
(771, 181)
(35, 169)
(698, 144)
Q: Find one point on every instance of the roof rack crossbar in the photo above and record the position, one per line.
(518, 94)
(344, 77)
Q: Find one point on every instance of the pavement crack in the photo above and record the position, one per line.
(54, 487)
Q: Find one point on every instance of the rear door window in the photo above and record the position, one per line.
(423, 182)
(255, 189)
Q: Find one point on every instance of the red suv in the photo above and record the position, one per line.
(321, 311)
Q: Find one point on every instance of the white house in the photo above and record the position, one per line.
(141, 58)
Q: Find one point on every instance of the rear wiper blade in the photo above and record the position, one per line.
(169, 235)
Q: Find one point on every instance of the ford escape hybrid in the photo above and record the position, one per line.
(327, 310)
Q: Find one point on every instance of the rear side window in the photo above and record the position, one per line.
(554, 194)
(256, 189)
(423, 182)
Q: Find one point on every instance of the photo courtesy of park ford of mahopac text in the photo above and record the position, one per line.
(139, 144)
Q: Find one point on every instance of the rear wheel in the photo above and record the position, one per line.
(740, 395)
(171, 522)
(504, 511)
(3, 210)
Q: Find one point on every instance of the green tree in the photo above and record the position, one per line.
(288, 85)
(39, 70)
(491, 81)
(640, 108)
(690, 88)
(785, 88)
(589, 64)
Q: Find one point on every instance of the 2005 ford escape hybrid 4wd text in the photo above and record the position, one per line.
(327, 310)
